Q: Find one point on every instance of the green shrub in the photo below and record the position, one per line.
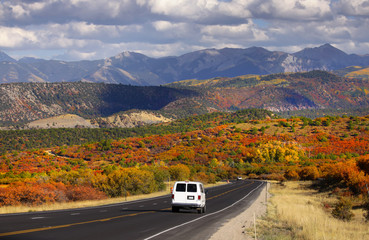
(343, 209)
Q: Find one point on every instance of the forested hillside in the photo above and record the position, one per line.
(42, 138)
(24, 102)
(354, 72)
(313, 90)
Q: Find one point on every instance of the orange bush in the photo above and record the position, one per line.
(363, 164)
(200, 177)
(349, 174)
(309, 173)
(31, 194)
(78, 193)
(274, 176)
(291, 175)
(34, 193)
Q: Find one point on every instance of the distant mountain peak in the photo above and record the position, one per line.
(211, 51)
(128, 55)
(326, 51)
(328, 47)
(30, 60)
(5, 58)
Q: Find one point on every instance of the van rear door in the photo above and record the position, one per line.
(180, 192)
(192, 193)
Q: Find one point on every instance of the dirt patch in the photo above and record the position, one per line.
(62, 121)
(129, 120)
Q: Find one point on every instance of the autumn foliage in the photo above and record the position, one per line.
(32, 193)
(331, 149)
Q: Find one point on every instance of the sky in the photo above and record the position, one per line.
(96, 29)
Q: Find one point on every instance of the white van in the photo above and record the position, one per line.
(188, 195)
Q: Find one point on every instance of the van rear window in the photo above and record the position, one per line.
(181, 187)
(191, 188)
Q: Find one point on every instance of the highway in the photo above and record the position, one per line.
(143, 219)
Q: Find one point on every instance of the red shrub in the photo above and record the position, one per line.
(39, 193)
(78, 193)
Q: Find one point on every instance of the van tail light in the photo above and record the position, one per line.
(172, 196)
(199, 197)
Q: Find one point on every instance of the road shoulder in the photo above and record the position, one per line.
(235, 228)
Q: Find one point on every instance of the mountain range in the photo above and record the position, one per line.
(137, 69)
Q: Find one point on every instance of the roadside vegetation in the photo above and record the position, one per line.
(298, 211)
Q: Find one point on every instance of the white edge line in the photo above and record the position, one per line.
(207, 215)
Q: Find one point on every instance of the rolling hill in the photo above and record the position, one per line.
(281, 92)
(354, 72)
(24, 102)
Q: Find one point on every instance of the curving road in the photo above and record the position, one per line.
(144, 219)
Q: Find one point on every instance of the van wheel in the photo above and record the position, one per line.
(175, 209)
(201, 210)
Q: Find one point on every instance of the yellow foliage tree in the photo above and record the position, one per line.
(276, 151)
(179, 172)
(127, 181)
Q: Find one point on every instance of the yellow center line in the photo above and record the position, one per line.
(229, 191)
(69, 225)
(100, 220)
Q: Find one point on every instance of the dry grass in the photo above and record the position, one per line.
(91, 203)
(296, 212)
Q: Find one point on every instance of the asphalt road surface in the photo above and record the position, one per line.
(144, 219)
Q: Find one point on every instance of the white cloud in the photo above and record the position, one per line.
(19, 11)
(74, 54)
(353, 7)
(200, 11)
(15, 37)
(244, 32)
(301, 10)
(344, 32)
(164, 25)
(165, 31)
(37, 6)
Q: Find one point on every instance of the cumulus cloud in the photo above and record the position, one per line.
(200, 11)
(91, 29)
(13, 37)
(244, 32)
(23, 12)
(353, 7)
(299, 10)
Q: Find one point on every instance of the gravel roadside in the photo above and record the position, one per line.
(235, 228)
